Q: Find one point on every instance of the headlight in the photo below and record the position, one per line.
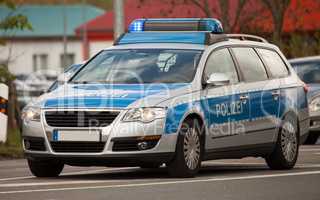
(314, 106)
(144, 114)
(31, 114)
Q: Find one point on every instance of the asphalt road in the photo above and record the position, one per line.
(223, 179)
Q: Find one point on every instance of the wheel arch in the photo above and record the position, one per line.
(200, 118)
(294, 114)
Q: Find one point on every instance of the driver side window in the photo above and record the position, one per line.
(220, 61)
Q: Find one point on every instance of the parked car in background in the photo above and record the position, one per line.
(63, 77)
(31, 86)
(308, 69)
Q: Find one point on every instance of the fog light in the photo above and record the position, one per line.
(143, 145)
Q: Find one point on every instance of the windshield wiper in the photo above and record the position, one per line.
(80, 82)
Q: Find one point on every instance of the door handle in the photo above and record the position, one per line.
(276, 95)
(244, 97)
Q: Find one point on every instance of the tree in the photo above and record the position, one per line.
(218, 8)
(224, 8)
(278, 10)
(13, 21)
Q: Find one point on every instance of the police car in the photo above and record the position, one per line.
(174, 92)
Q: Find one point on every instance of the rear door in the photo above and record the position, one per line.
(278, 71)
(263, 96)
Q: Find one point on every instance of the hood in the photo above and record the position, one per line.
(314, 90)
(106, 96)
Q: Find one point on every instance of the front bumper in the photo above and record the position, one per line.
(314, 122)
(132, 159)
(162, 151)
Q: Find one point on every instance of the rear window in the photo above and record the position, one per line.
(274, 62)
(250, 64)
(309, 72)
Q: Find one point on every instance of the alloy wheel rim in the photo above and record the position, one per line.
(289, 141)
(191, 148)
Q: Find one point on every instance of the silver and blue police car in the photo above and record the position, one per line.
(174, 92)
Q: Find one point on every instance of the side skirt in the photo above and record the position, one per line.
(259, 150)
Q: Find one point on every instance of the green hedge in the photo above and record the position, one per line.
(13, 147)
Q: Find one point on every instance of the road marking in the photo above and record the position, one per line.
(309, 150)
(261, 164)
(166, 182)
(70, 173)
(59, 183)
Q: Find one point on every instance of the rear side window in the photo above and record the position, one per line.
(274, 63)
(250, 64)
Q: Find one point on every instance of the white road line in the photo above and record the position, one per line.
(166, 182)
(309, 150)
(27, 184)
(258, 164)
(58, 183)
(70, 173)
(308, 165)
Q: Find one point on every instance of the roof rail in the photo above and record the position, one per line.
(247, 37)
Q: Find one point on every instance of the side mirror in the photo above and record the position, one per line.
(218, 79)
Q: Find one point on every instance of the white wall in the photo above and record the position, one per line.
(22, 54)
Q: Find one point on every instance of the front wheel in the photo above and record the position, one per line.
(286, 151)
(187, 160)
(45, 168)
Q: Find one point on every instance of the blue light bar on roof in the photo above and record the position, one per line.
(177, 24)
(164, 37)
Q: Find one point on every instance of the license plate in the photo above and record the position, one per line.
(77, 135)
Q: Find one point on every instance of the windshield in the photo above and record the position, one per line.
(140, 66)
(309, 72)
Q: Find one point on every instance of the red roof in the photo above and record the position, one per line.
(301, 15)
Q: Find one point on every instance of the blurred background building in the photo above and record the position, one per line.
(42, 49)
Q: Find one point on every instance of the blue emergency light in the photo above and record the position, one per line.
(163, 37)
(177, 24)
(178, 30)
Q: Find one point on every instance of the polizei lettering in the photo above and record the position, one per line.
(225, 109)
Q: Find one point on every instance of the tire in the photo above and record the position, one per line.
(45, 168)
(312, 138)
(189, 148)
(286, 151)
(150, 165)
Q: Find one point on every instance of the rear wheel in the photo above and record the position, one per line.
(45, 168)
(187, 160)
(286, 151)
(312, 138)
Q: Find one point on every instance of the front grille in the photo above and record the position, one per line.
(80, 118)
(77, 147)
(34, 144)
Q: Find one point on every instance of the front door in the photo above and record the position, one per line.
(227, 108)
